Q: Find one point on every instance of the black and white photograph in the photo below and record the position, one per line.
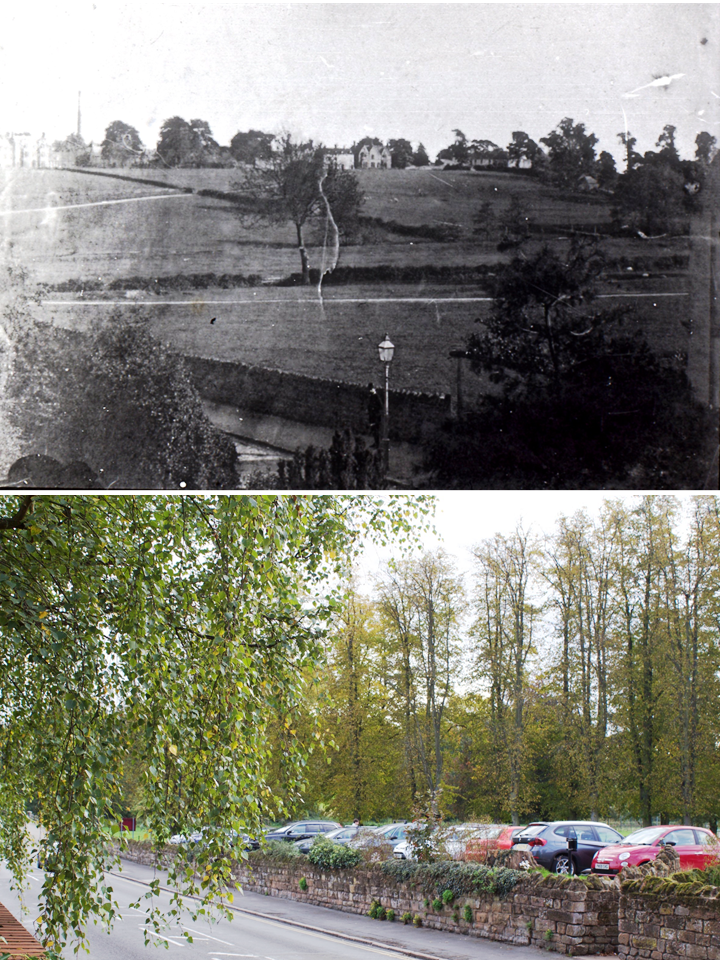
(359, 246)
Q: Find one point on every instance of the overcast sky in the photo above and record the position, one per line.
(339, 71)
(464, 519)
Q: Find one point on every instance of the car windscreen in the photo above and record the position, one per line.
(646, 836)
(532, 831)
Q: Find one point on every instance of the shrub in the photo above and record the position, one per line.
(332, 856)
(121, 402)
(437, 905)
(381, 914)
(467, 913)
(302, 883)
(373, 911)
(417, 920)
(390, 914)
(277, 850)
(447, 896)
(406, 917)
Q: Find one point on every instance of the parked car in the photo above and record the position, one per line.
(301, 829)
(548, 842)
(390, 833)
(186, 838)
(342, 835)
(449, 843)
(695, 846)
(490, 838)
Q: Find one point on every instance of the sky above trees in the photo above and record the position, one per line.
(338, 72)
(463, 519)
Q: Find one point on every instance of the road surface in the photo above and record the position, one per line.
(264, 928)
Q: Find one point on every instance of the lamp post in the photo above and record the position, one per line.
(386, 349)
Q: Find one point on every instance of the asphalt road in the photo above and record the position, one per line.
(264, 928)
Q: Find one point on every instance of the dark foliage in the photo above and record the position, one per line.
(461, 879)
(120, 402)
(347, 465)
(579, 402)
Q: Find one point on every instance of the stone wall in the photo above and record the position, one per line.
(314, 400)
(664, 920)
(649, 916)
(565, 914)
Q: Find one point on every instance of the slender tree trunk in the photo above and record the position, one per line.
(305, 263)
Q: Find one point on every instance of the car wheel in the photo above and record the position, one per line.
(564, 864)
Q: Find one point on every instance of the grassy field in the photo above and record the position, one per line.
(162, 232)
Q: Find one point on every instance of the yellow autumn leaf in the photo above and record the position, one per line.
(172, 749)
(41, 616)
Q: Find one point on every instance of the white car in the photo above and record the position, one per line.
(447, 843)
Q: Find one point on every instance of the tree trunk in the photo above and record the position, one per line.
(305, 264)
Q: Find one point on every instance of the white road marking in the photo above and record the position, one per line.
(328, 300)
(190, 930)
(96, 203)
(175, 942)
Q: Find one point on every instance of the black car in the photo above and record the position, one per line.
(302, 830)
(548, 842)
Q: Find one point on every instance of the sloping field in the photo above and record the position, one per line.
(162, 232)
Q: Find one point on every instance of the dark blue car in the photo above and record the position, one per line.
(548, 843)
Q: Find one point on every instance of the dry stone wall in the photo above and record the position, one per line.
(662, 921)
(652, 916)
(567, 915)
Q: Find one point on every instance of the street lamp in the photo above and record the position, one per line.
(386, 349)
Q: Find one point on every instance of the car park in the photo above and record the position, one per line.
(447, 843)
(695, 846)
(301, 830)
(566, 846)
(342, 835)
(491, 838)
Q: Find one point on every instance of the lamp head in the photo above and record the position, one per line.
(386, 349)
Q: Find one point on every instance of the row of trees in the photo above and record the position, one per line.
(568, 155)
(576, 677)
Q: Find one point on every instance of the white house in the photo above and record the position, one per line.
(339, 157)
(372, 155)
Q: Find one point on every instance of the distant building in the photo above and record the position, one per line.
(24, 150)
(340, 157)
(374, 155)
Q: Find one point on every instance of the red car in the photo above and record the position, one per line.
(491, 837)
(695, 846)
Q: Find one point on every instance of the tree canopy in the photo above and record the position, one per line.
(297, 186)
(122, 143)
(571, 152)
(173, 633)
(191, 144)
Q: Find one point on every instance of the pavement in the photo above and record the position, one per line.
(262, 441)
(422, 942)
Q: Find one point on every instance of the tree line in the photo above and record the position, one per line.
(568, 151)
(576, 676)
